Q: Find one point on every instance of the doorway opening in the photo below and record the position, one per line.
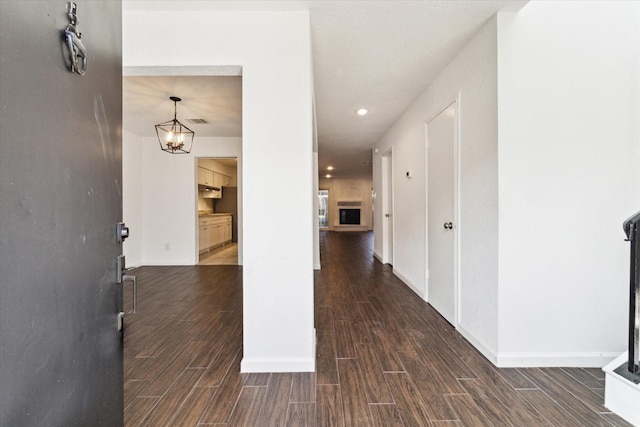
(323, 209)
(217, 211)
(387, 207)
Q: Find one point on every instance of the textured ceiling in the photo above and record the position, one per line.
(378, 54)
(218, 100)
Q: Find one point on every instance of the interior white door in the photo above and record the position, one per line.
(441, 227)
(387, 203)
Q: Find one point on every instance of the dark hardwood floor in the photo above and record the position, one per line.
(384, 358)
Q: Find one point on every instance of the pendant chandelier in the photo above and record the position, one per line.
(173, 136)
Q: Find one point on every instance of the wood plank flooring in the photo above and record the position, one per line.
(384, 358)
(224, 255)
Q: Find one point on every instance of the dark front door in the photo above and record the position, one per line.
(60, 198)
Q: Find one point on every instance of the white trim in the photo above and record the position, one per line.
(317, 267)
(172, 262)
(564, 359)
(388, 225)
(539, 359)
(281, 364)
(621, 395)
(409, 283)
(478, 345)
(457, 218)
(377, 256)
(285, 364)
(180, 70)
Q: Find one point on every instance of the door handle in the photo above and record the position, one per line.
(387, 215)
(134, 281)
(121, 279)
(448, 226)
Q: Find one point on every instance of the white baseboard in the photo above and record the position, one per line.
(276, 364)
(169, 263)
(134, 265)
(559, 359)
(539, 359)
(478, 345)
(281, 364)
(408, 282)
(317, 267)
(377, 256)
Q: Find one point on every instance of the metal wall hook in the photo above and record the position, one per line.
(72, 37)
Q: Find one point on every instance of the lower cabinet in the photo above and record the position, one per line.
(214, 231)
(203, 238)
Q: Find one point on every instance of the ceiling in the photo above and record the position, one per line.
(218, 100)
(377, 54)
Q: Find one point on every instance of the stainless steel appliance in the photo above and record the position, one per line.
(228, 203)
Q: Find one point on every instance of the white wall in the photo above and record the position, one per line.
(273, 49)
(472, 77)
(549, 169)
(160, 199)
(132, 176)
(569, 174)
(168, 202)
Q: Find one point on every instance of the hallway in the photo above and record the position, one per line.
(384, 357)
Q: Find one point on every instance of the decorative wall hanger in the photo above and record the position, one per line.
(73, 40)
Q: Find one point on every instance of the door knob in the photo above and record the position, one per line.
(448, 225)
(387, 215)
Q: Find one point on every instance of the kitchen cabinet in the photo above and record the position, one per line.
(212, 179)
(203, 238)
(221, 180)
(217, 180)
(205, 176)
(213, 231)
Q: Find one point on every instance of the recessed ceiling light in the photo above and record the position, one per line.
(328, 175)
(362, 111)
(329, 168)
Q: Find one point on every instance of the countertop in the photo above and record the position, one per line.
(212, 214)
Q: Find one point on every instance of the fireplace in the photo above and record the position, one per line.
(350, 216)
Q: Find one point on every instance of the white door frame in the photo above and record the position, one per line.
(456, 204)
(387, 207)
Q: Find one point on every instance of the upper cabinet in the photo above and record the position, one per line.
(213, 179)
(205, 177)
(215, 175)
(221, 180)
(217, 180)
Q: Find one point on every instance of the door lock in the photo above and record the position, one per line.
(122, 232)
(448, 226)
